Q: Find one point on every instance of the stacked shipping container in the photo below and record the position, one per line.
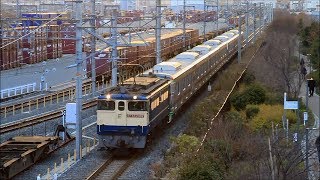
(11, 54)
(54, 42)
(36, 45)
(34, 19)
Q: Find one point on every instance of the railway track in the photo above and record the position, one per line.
(113, 167)
(39, 119)
(67, 92)
(62, 95)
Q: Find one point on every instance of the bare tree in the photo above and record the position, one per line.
(277, 64)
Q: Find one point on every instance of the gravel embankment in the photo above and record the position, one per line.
(141, 169)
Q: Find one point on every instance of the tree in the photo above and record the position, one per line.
(279, 52)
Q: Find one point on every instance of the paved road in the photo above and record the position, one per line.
(313, 104)
(56, 73)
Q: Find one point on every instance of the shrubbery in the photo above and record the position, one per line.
(251, 111)
(248, 78)
(271, 113)
(254, 94)
(202, 168)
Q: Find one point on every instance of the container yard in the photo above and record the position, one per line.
(68, 66)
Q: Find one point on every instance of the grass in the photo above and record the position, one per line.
(200, 117)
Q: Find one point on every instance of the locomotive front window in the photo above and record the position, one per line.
(137, 106)
(106, 105)
(121, 106)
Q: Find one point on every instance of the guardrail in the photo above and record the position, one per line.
(19, 90)
(63, 96)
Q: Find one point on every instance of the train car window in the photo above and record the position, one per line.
(121, 106)
(106, 105)
(155, 103)
(137, 106)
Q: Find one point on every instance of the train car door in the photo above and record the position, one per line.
(121, 113)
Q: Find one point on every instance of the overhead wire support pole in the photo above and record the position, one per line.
(239, 39)
(158, 32)
(217, 15)
(79, 77)
(18, 9)
(93, 47)
(184, 23)
(260, 18)
(114, 52)
(254, 22)
(247, 23)
(205, 19)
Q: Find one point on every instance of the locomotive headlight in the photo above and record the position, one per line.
(135, 97)
(108, 96)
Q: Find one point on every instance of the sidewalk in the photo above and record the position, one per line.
(313, 105)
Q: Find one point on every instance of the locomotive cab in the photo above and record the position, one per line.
(125, 113)
(122, 122)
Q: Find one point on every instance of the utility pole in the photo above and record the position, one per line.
(79, 77)
(239, 39)
(254, 22)
(269, 13)
(184, 23)
(247, 23)
(228, 6)
(114, 51)
(18, 9)
(205, 19)
(158, 32)
(307, 152)
(272, 13)
(217, 15)
(93, 47)
(260, 18)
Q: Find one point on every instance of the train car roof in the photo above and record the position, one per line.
(167, 66)
(187, 56)
(201, 58)
(143, 86)
(229, 34)
(222, 38)
(235, 31)
(212, 42)
(186, 59)
(201, 49)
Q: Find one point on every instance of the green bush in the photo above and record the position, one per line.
(221, 149)
(254, 94)
(235, 124)
(268, 114)
(249, 78)
(273, 98)
(186, 143)
(238, 101)
(251, 111)
(201, 169)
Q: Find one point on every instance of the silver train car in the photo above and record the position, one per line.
(127, 114)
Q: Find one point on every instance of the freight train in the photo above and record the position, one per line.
(142, 53)
(128, 113)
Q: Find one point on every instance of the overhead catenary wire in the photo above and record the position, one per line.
(32, 31)
(146, 50)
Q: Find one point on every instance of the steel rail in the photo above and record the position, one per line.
(12, 108)
(112, 168)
